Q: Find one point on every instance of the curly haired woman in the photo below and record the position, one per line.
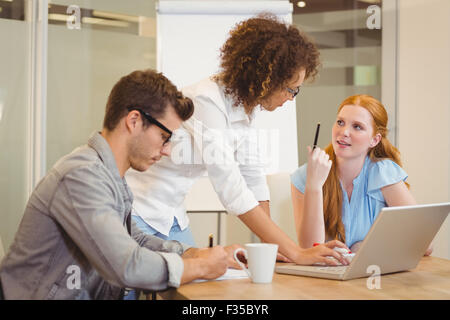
(264, 62)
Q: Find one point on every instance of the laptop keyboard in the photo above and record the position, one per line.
(340, 269)
(320, 269)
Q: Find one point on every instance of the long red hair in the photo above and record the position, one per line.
(332, 192)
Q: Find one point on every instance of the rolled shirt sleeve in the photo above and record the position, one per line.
(170, 250)
(175, 268)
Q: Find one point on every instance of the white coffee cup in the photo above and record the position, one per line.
(261, 258)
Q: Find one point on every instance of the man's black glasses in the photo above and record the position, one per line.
(155, 122)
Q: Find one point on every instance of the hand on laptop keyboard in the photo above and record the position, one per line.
(347, 254)
(322, 253)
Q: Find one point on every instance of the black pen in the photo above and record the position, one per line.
(211, 240)
(317, 136)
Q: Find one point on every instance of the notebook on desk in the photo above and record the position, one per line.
(396, 242)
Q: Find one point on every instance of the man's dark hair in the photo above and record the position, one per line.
(149, 91)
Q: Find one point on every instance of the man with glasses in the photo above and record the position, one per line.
(155, 122)
(76, 239)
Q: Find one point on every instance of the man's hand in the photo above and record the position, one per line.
(206, 263)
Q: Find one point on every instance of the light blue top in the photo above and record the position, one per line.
(359, 214)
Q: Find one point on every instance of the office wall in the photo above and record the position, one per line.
(424, 103)
(83, 67)
(14, 108)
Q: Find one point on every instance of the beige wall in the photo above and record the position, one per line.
(424, 102)
(14, 93)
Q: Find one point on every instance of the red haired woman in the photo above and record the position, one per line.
(340, 191)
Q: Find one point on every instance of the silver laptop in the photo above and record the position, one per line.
(396, 242)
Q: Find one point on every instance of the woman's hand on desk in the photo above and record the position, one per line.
(322, 253)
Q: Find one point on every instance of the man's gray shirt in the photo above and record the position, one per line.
(73, 243)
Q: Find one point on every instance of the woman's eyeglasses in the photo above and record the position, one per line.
(293, 92)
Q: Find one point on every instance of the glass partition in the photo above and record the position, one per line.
(91, 44)
(349, 36)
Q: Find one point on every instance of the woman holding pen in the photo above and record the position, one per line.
(340, 191)
(264, 63)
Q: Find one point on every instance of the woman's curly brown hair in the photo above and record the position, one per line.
(261, 55)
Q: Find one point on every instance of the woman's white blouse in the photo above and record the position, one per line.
(219, 140)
